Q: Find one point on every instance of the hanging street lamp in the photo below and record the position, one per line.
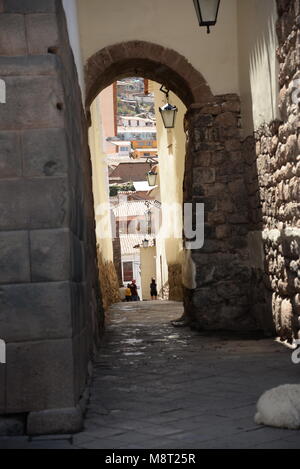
(145, 243)
(207, 12)
(151, 175)
(152, 178)
(168, 112)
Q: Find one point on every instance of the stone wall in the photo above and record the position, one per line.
(272, 180)
(276, 204)
(175, 282)
(279, 192)
(50, 302)
(215, 176)
(261, 298)
(248, 273)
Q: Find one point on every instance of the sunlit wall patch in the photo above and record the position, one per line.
(2, 92)
(2, 352)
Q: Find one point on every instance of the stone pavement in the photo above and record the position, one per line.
(158, 387)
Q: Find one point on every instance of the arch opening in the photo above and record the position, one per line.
(158, 64)
(142, 128)
(213, 176)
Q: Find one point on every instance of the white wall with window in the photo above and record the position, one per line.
(131, 270)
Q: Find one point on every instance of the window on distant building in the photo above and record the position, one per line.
(127, 271)
(123, 148)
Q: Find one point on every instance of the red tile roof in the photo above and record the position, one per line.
(130, 172)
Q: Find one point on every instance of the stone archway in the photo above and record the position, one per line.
(218, 277)
(149, 60)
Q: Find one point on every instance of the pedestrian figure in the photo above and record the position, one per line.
(134, 292)
(128, 294)
(122, 291)
(153, 290)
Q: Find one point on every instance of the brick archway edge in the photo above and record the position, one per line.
(152, 61)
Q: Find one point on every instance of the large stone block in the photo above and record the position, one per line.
(291, 243)
(287, 319)
(10, 155)
(56, 421)
(2, 388)
(42, 33)
(81, 359)
(29, 65)
(204, 175)
(79, 308)
(84, 359)
(236, 318)
(32, 102)
(50, 255)
(12, 35)
(30, 6)
(12, 426)
(45, 152)
(77, 259)
(296, 305)
(227, 119)
(33, 204)
(14, 257)
(35, 312)
(40, 376)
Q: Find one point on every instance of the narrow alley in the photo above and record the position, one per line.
(156, 386)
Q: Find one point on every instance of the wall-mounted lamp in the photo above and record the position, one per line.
(151, 175)
(207, 12)
(145, 243)
(152, 178)
(168, 112)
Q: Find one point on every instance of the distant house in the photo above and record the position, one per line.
(127, 121)
(124, 148)
(125, 172)
(132, 226)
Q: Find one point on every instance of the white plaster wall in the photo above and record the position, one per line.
(171, 149)
(70, 7)
(148, 270)
(136, 260)
(100, 184)
(170, 23)
(258, 66)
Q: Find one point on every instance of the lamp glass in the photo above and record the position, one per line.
(207, 11)
(168, 113)
(145, 243)
(152, 177)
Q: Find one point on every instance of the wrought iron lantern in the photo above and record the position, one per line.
(152, 178)
(207, 12)
(145, 243)
(168, 112)
(152, 175)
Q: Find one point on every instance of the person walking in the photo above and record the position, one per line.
(153, 290)
(122, 291)
(134, 292)
(128, 294)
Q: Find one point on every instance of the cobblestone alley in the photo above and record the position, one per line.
(155, 386)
